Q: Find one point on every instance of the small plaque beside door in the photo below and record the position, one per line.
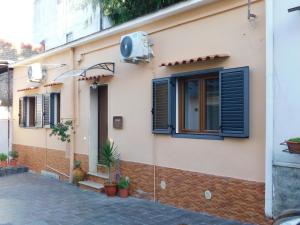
(118, 122)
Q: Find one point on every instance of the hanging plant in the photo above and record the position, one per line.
(62, 130)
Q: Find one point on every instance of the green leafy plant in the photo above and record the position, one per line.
(123, 183)
(109, 157)
(3, 157)
(13, 154)
(62, 131)
(120, 11)
(77, 164)
(296, 139)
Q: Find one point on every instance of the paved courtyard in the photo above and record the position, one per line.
(30, 199)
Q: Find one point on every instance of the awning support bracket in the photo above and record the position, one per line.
(109, 66)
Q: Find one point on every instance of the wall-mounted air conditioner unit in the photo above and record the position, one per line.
(36, 72)
(135, 48)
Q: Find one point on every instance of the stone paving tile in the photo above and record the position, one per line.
(30, 199)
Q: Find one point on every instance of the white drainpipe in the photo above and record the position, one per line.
(269, 108)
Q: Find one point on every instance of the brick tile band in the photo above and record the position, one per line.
(35, 158)
(231, 198)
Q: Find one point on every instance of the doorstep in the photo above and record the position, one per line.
(90, 185)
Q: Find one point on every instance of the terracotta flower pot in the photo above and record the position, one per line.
(294, 147)
(13, 162)
(110, 190)
(3, 163)
(123, 193)
(78, 175)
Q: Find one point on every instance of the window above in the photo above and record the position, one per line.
(203, 104)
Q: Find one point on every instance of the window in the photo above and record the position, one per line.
(30, 111)
(39, 110)
(202, 104)
(199, 104)
(51, 109)
(69, 37)
(30, 107)
(56, 108)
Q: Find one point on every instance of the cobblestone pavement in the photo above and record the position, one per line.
(30, 199)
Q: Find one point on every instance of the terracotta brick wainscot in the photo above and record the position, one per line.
(230, 198)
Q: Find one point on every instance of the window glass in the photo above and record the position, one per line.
(191, 105)
(31, 111)
(56, 108)
(212, 104)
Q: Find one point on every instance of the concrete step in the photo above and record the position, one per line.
(98, 177)
(90, 185)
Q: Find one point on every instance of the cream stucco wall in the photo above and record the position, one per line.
(221, 27)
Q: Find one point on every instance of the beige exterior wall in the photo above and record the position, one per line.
(221, 27)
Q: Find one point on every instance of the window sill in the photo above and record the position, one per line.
(31, 128)
(198, 136)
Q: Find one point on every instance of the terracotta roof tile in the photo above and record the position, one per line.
(195, 60)
(27, 89)
(53, 84)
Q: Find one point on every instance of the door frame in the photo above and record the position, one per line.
(93, 130)
(93, 126)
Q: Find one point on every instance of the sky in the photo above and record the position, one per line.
(16, 20)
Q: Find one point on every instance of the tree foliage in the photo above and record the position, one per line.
(120, 11)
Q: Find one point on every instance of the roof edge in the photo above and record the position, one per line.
(140, 21)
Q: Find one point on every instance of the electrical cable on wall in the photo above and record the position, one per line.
(250, 14)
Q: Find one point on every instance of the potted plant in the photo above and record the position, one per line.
(14, 155)
(294, 145)
(78, 173)
(123, 187)
(3, 160)
(109, 158)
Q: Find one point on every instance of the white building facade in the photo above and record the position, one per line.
(283, 105)
(57, 22)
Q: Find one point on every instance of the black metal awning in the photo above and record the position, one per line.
(108, 66)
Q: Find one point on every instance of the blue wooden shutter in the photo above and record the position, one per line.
(46, 111)
(234, 102)
(161, 106)
(22, 112)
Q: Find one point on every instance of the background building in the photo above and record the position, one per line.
(283, 105)
(10, 53)
(60, 21)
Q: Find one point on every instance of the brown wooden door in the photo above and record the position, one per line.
(102, 118)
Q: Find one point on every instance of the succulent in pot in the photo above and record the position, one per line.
(123, 187)
(78, 173)
(109, 158)
(3, 160)
(14, 155)
(294, 145)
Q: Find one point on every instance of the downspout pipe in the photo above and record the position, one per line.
(269, 109)
(9, 104)
(73, 134)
